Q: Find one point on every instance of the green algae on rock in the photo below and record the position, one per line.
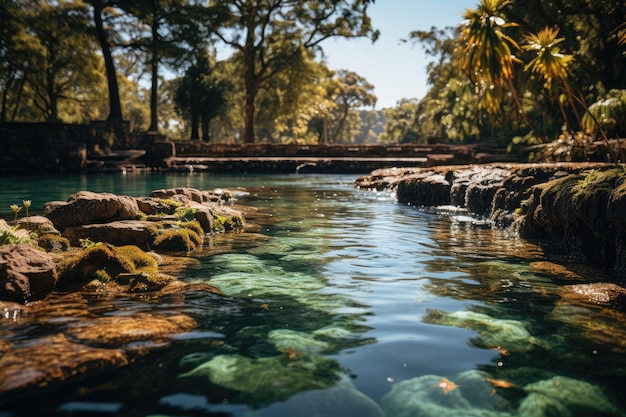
(268, 379)
(507, 334)
(472, 394)
(566, 397)
(467, 394)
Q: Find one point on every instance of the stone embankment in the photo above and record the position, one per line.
(577, 211)
(98, 246)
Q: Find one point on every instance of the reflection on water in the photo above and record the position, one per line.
(345, 303)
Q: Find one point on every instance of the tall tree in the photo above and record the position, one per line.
(200, 94)
(66, 64)
(487, 57)
(553, 66)
(18, 48)
(169, 32)
(268, 34)
(102, 34)
(352, 92)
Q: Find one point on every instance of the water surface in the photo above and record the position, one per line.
(350, 304)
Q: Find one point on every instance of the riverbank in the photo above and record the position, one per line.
(107, 249)
(576, 211)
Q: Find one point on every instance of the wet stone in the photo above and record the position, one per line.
(120, 331)
(49, 360)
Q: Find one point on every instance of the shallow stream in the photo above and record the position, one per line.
(345, 303)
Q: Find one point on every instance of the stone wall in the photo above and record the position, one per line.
(43, 148)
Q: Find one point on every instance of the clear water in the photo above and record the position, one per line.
(350, 304)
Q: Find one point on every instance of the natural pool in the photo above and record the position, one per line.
(345, 303)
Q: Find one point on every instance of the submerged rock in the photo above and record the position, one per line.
(122, 330)
(339, 401)
(467, 394)
(287, 340)
(508, 334)
(564, 396)
(51, 360)
(472, 394)
(596, 293)
(269, 379)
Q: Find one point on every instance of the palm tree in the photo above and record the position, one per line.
(553, 66)
(487, 57)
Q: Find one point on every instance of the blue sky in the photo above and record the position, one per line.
(397, 70)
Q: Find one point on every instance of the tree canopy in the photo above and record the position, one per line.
(512, 71)
(522, 71)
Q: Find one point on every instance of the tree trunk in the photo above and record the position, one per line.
(194, 124)
(206, 137)
(154, 89)
(251, 82)
(115, 108)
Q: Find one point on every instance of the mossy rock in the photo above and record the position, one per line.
(105, 262)
(53, 243)
(193, 225)
(227, 223)
(141, 261)
(177, 240)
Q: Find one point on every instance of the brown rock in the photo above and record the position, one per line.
(555, 270)
(86, 207)
(180, 194)
(152, 206)
(119, 233)
(122, 330)
(38, 224)
(596, 293)
(53, 359)
(424, 189)
(26, 273)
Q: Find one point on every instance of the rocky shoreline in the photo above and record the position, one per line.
(576, 212)
(104, 248)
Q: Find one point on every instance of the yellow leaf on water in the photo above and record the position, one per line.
(498, 383)
(446, 385)
(291, 353)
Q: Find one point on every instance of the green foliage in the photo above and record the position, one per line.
(105, 262)
(597, 181)
(88, 244)
(192, 225)
(226, 223)
(102, 275)
(610, 114)
(200, 95)
(560, 67)
(279, 34)
(12, 236)
(140, 260)
(185, 213)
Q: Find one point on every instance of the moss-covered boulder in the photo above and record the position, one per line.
(106, 262)
(581, 215)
